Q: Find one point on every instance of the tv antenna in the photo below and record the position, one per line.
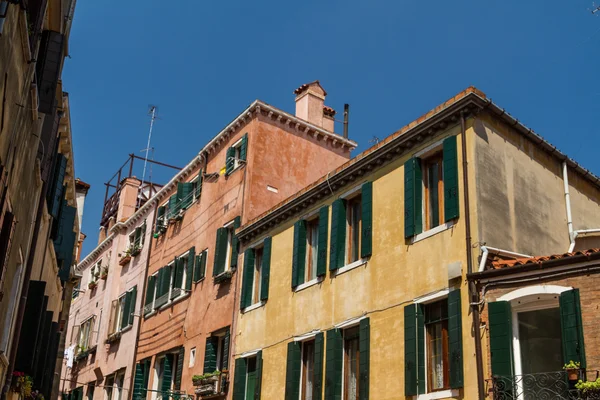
(152, 111)
(595, 8)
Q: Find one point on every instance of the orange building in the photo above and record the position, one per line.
(261, 158)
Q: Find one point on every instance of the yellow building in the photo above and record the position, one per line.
(355, 287)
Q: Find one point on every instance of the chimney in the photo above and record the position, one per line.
(128, 198)
(310, 99)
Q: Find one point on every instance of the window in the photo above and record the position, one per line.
(255, 279)
(433, 188)
(258, 258)
(3, 11)
(308, 370)
(353, 228)
(90, 391)
(86, 330)
(122, 311)
(167, 378)
(200, 266)
(170, 283)
(137, 238)
(216, 353)
(247, 377)
(226, 248)
(192, 357)
(108, 387)
(351, 364)
(236, 155)
(312, 249)
(151, 289)
(197, 186)
(119, 312)
(95, 271)
(436, 331)
(230, 235)
(119, 381)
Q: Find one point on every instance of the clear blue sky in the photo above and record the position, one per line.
(203, 62)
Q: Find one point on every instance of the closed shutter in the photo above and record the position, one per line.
(501, 353)
(177, 277)
(247, 277)
(138, 382)
(210, 354)
(197, 263)
(323, 234)
(137, 236)
(235, 243)
(364, 348)
(410, 350)
(160, 222)
(226, 340)
(572, 327)
(143, 232)
(126, 308)
(265, 270)
(318, 367)
(259, 368)
(244, 148)
(179, 369)
(146, 364)
(333, 364)
(299, 253)
(163, 277)
(455, 354)
(180, 195)
(167, 375)
(189, 268)
(172, 206)
(187, 195)
(338, 235)
(413, 194)
(366, 245)
(292, 375)
(133, 296)
(229, 161)
(239, 379)
(420, 349)
(220, 251)
(57, 189)
(450, 163)
(149, 294)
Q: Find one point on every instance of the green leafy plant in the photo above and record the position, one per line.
(571, 365)
(588, 388)
(199, 378)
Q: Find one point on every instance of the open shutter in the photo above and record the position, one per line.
(364, 346)
(333, 364)
(199, 184)
(410, 350)
(450, 163)
(189, 268)
(138, 382)
(239, 379)
(56, 191)
(133, 294)
(229, 161)
(126, 310)
(160, 219)
(501, 353)
(244, 148)
(265, 270)
(177, 277)
(292, 375)
(149, 294)
(137, 236)
(167, 375)
(338, 235)
(161, 291)
(210, 354)
(366, 245)
(179, 369)
(143, 233)
(259, 367)
(226, 340)
(111, 321)
(220, 251)
(173, 210)
(413, 194)
(323, 234)
(235, 243)
(572, 327)
(299, 253)
(246, 296)
(318, 367)
(187, 195)
(420, 349)
(455, 340)
(197, 264)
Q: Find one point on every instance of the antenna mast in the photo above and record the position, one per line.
(152, 112)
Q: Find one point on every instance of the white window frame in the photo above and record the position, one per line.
(361, 261)
(230, 235)
(220, 344)
(120, 378)
(158, 373)
(194, 189)
(314, 251)
(183, 291)
(119, 311)
(237, 146)
(155, 275)
(90, 332)
(305, 340)
(107, 387)
(192, 357)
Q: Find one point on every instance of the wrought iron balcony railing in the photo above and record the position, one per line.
(541, 386)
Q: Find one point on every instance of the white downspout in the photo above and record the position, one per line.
(486, 250)
(568, 206)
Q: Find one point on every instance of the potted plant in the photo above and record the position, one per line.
(223, 276)
(135, 250)
(92, 285)
(572, 369)
(104, 273)
(588, 390)
(125, 258)
(22, 384)
(206, 379)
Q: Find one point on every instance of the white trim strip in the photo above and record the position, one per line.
(350, 322)
(306, 336)
(253, 307)
(442, 394)
(351, 266)
(310, 283)
(250, 353)
(432, 231)
(533, 290)
(428, 298)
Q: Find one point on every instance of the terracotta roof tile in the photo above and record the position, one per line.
(302, 88)
(500, 264)
(328, 111)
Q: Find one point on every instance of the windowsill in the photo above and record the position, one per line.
(351, 266)
(178, 299)
(127, 328)
(253, 307)
(442, 394)
(308, 284)
(150, 314)
(235, 169)
(200, 280)
(433, 231)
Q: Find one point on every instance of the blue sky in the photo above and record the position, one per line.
(203, 62)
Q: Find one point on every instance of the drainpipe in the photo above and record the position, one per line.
(568, 206)
(472, 290)
(485, 250)
(582, 232)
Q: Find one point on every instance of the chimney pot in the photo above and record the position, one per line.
(310, 99)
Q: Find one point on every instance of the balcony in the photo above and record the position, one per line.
(212, 387)
(546, 386)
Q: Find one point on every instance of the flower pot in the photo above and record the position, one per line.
(92, 285)
(124, 260)
(573, 374)
(103, 276)
(135, 252)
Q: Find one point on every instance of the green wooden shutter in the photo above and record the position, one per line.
(210, 354)
(138, 382)
(450, 163)
(364, 346)
(323, 234)
(501, 351)
(197, 263)
(167, 374)
(137, 236)
(259, 367)
(132, 304)
(572, 327)
(143, 236)
(189, 268)
(160, 222)
(292, 375)
(318, 367)
(187, 195)
(244, 147)
(413, 195)
(239, 379)
(149, 294)
(173, 206)
(226, 340)
(366, 245)
(247, 277)
(56, 191)
(164, 280)
(455, 353)
(229, 161)
(180, 195)
(126, 308)
(177, 277)
(203, 264)
(146, 377)
(421, 349)
(198, 191)
(179, 370)
(235, 243)
(265, 269)
(334, 364)
(299, 253)
(338, 235)
(410, 350)
(220, 251)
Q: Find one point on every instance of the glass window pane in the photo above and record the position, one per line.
(540, 340)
